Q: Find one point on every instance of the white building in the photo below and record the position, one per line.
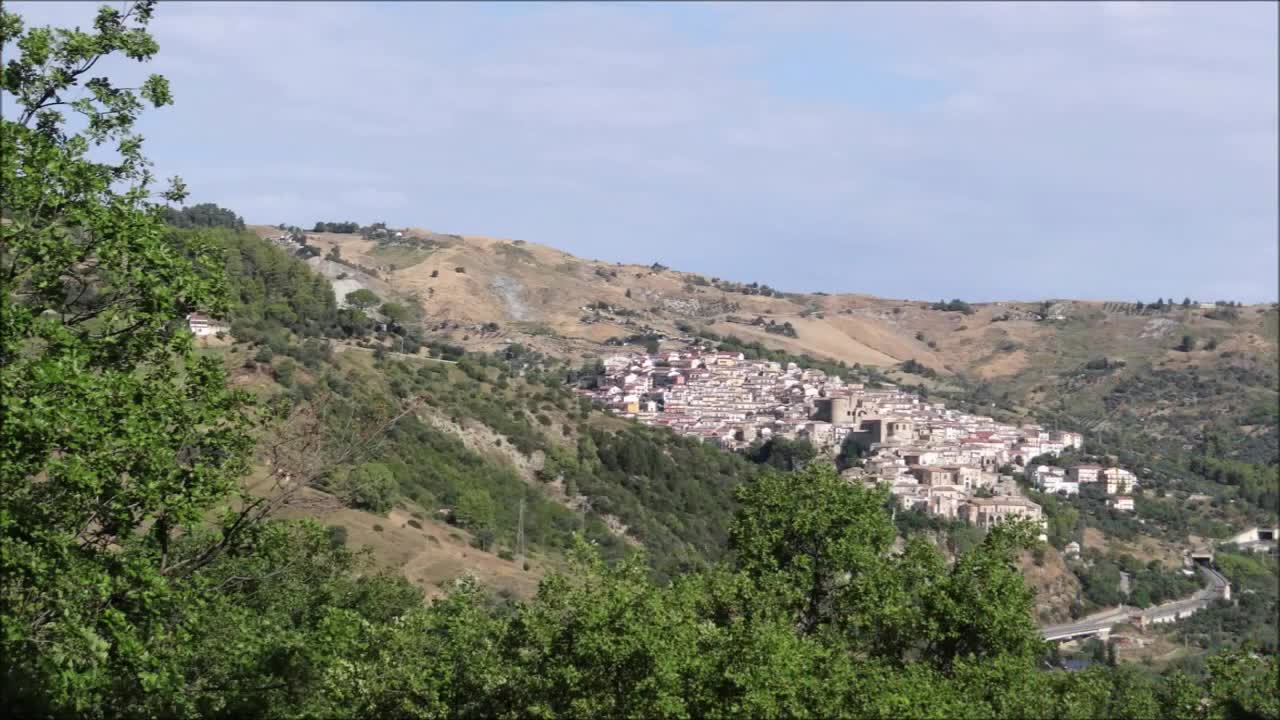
(1085, 473)
(1121, 502)
(203, 326)
(1119, 481)
(1051, 479)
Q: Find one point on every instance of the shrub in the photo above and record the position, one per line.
(284, 373)
(483, 539)
(954, 306)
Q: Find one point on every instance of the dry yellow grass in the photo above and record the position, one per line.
(537, 293)
(431, 557)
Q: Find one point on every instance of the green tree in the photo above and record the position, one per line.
(475, 509)
(812, 533)
(782, 453)
(363, 299)
(371, 486)
(117, 438)
(1063, 525)
(395, 312)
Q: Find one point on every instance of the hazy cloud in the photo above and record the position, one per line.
(979, 150)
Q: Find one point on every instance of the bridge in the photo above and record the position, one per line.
(1096, 625)
(1099, 624)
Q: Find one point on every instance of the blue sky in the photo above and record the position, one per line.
(977, 150)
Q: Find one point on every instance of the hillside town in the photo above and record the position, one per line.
(938, 460)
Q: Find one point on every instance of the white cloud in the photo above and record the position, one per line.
(1084, 136)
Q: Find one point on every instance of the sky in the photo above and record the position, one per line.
(983, 151)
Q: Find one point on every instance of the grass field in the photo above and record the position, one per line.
(399, 256)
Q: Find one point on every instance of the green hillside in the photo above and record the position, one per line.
(673, 495)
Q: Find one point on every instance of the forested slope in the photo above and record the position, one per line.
(669, 494)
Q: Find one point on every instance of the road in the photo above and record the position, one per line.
(1103, 621)
(1091, 625)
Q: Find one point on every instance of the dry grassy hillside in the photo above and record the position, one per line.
(540, 296)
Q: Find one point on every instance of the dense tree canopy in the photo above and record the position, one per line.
(336, 227)
(204, 215)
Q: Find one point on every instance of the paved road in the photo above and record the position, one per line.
(1202, 598)
(1105, 620)
(1090, 625)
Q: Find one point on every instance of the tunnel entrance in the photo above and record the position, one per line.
(1202, 558)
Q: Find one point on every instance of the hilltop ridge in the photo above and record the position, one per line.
(539, 291)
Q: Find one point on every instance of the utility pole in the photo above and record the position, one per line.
(520, 533)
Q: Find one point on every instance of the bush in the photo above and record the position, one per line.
(953, 306)
(284, 373)
(337, 535)
(483, 539)
(377, 528)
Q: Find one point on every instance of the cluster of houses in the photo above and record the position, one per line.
(939, 460)
(1119, 482)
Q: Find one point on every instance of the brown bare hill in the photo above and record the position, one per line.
(533, 290)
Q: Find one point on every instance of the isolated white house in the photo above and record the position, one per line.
(203, 326)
